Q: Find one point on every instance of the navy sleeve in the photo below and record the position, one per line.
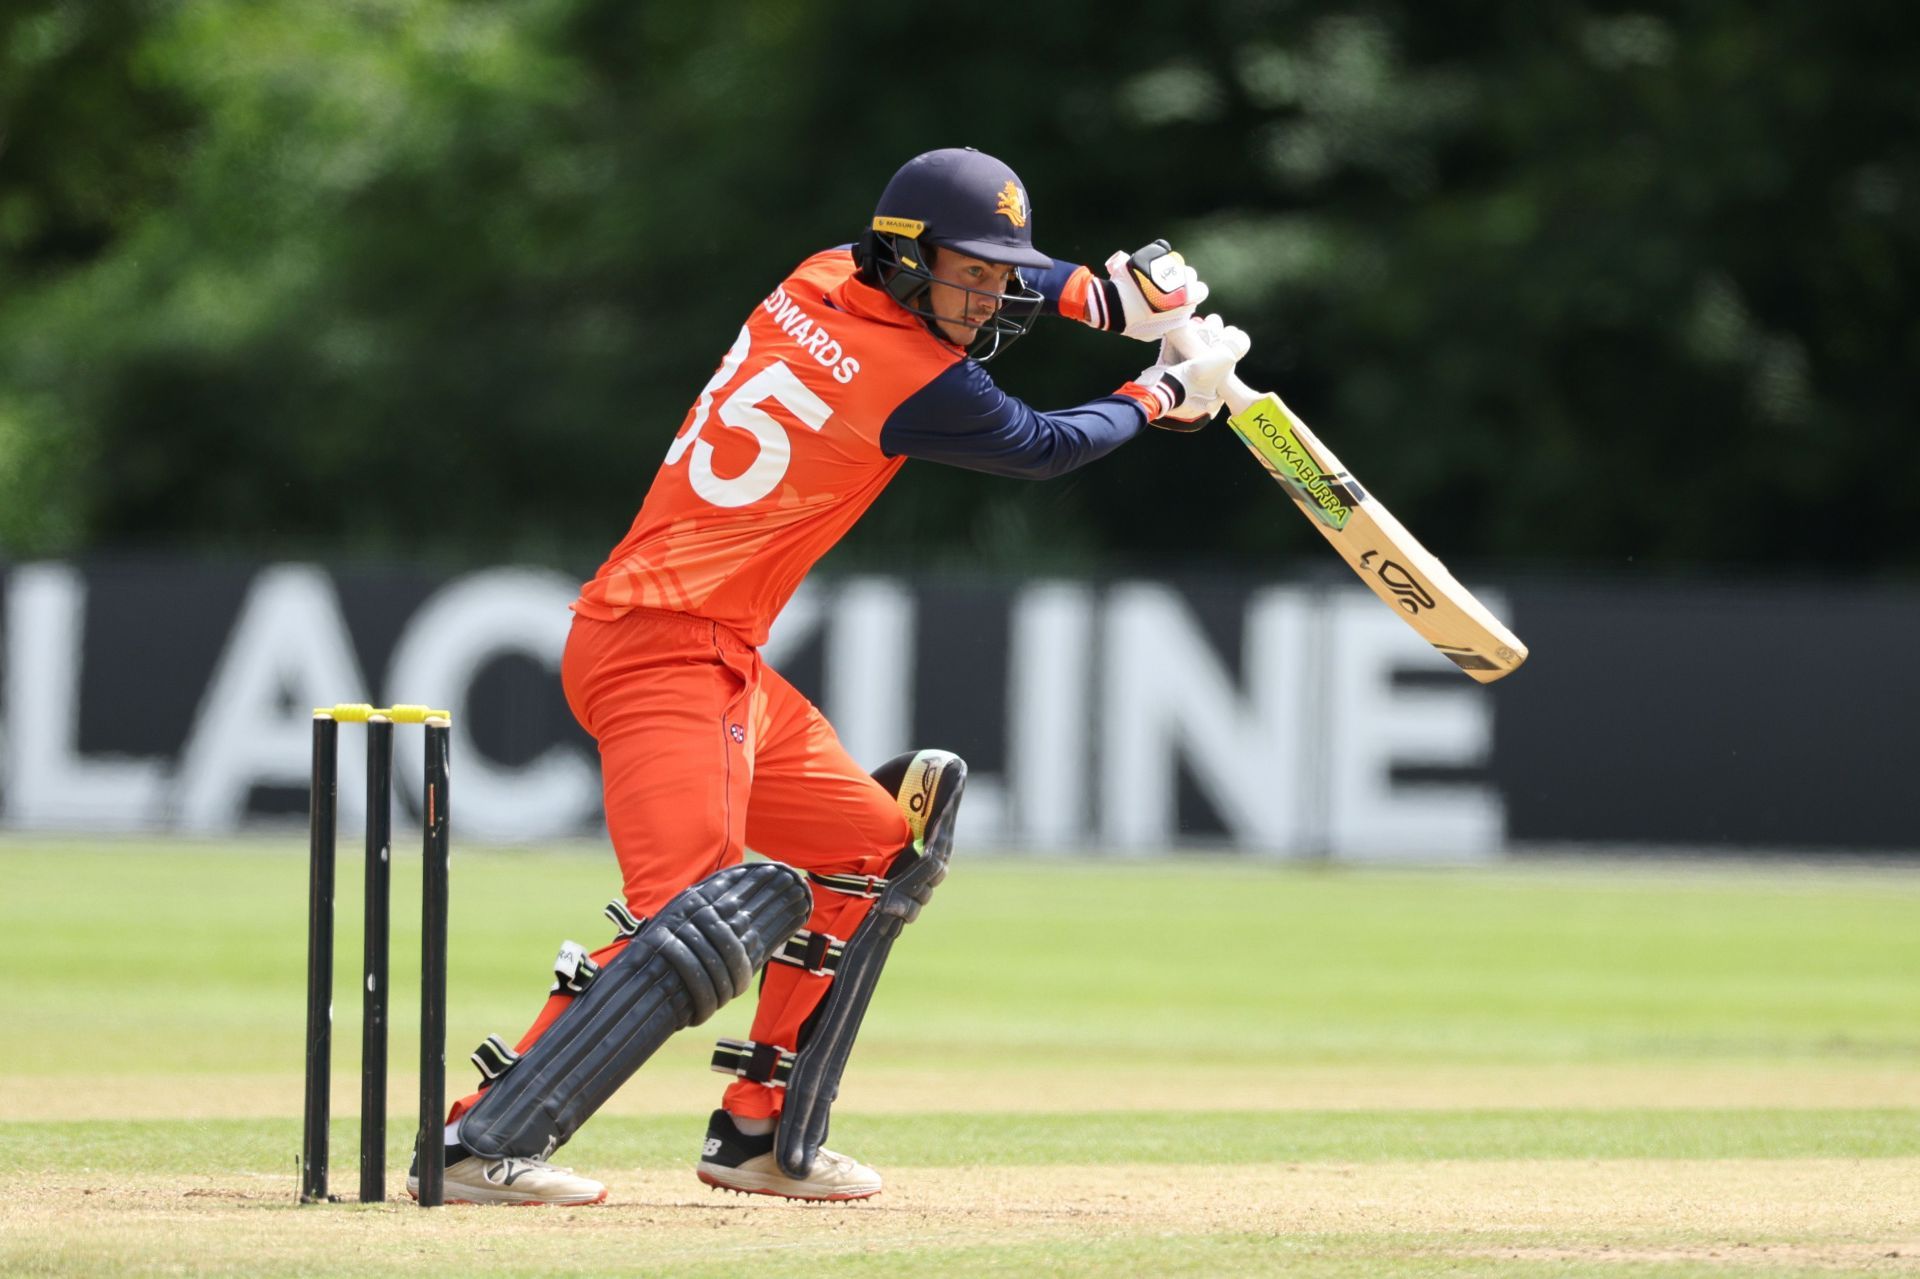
(963, 418)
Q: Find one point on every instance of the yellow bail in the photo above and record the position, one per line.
(361, 712)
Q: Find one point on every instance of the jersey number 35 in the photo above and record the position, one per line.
(742, 410)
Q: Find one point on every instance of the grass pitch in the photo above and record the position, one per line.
(1187, 1067)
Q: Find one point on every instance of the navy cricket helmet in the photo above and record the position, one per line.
(960, 199)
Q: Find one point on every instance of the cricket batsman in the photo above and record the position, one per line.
(865, 356)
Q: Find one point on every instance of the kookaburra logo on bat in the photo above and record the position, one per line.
(1406, 588)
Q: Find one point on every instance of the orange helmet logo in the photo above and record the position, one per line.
(1012, 205)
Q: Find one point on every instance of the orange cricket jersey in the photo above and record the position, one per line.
(778, 456)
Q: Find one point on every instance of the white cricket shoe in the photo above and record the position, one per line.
(478, 1180)
(732, 1160)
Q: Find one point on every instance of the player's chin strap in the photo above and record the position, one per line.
(927, 785)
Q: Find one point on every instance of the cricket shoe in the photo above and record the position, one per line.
(732, 1160)
(476, 1179)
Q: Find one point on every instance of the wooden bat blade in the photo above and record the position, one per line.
(1390, 560)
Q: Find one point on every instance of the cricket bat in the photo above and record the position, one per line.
(1403, 573)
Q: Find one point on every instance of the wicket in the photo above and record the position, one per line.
(433, 950)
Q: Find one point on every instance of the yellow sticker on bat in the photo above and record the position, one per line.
(1269, 431)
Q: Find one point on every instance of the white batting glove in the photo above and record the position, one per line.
(1191, 391)
(1156, 289)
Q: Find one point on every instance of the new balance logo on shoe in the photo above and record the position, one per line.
(733, 1160)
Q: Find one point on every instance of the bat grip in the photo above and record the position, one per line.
(1238, 394)
(1188, 343)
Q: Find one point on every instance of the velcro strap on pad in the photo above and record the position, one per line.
(818, 953)
(573, 971)
(867, 886)
(493, 1058)
(767, 1064)
(624, 922)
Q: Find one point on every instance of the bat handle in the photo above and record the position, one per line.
(1188, 343)
(1238, 394)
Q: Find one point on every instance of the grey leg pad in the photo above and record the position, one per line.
(701, 950)
(928, 785)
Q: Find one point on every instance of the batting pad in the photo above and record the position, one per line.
(927, 785)
(701, 950)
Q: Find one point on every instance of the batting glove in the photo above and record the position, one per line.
(1156, 290)
(1187, 394)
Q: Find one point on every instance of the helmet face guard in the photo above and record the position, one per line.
(901, 263)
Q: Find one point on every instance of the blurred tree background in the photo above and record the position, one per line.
(1569, 283)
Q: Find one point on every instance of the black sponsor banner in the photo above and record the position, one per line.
(1712, 715)
(1283, 718)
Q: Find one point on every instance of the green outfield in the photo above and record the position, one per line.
(1173, 1067)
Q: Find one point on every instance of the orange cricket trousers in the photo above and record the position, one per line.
(705, 750)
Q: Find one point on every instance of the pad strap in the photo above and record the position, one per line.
(625, 923)
(768, 1064)
(866, 886)
(573, 971)
(818, 953)
(493, 1058)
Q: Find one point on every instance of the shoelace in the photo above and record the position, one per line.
(534, 1165)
